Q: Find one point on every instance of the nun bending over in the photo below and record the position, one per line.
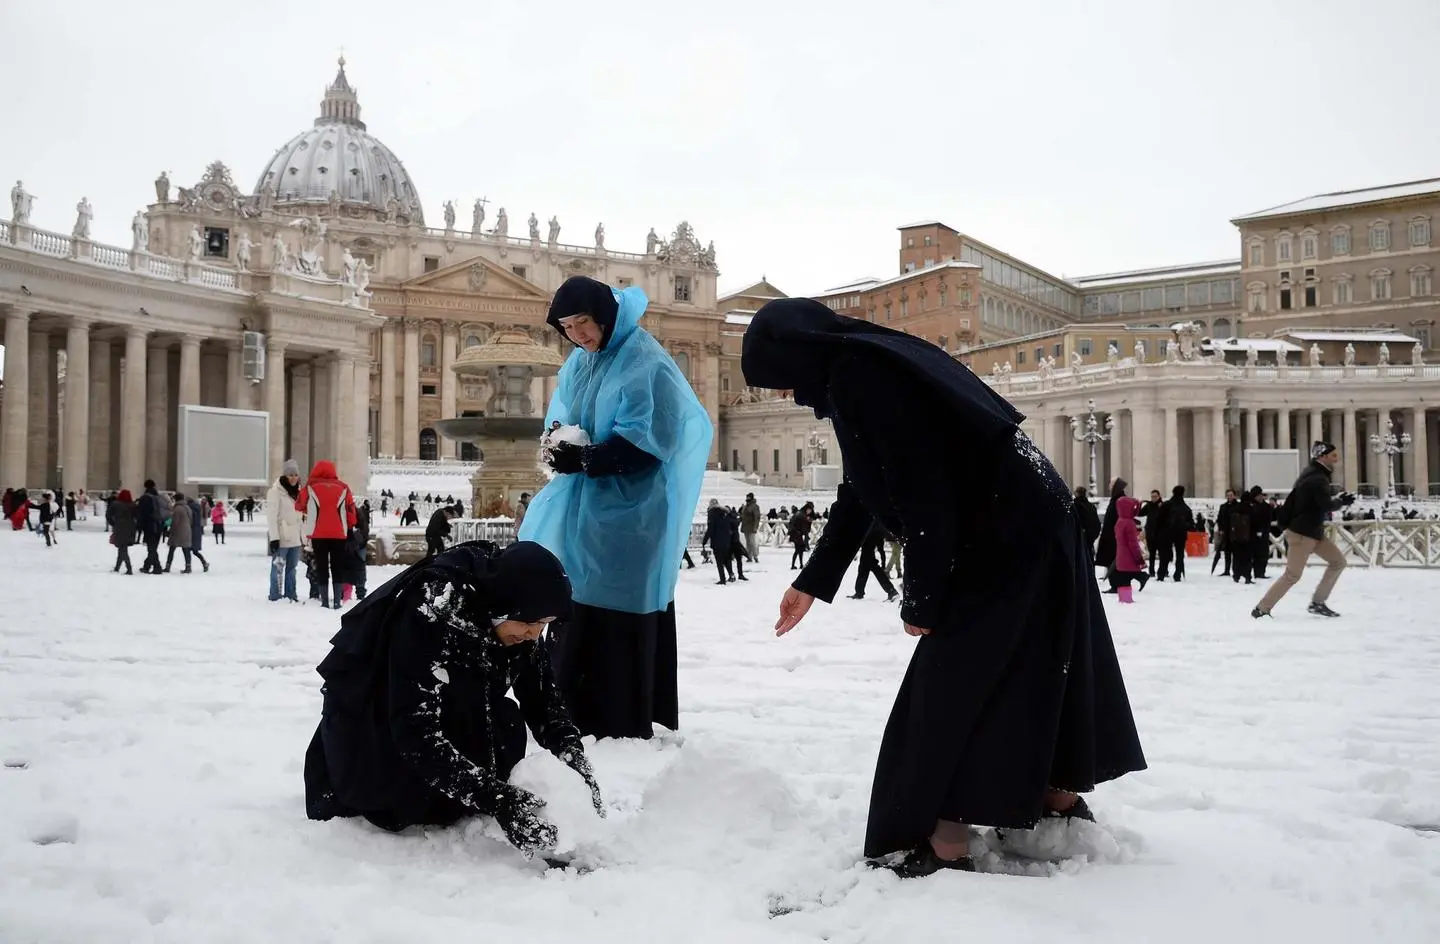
(1013, 702)
(619, 510)
(416, 726)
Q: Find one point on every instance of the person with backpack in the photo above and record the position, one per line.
(1303, 517)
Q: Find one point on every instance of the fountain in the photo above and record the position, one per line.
(508, 436)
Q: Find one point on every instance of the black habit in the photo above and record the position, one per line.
(1017, 687)
(416, 728)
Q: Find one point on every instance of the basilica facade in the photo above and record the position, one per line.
(362, 304)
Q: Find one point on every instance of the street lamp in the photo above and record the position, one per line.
(1092, 435)
(1390, 446)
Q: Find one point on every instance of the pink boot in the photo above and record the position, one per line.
(1126, 595)
(348, 592)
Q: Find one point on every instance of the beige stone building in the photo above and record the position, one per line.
(1321, 329)
(363, 304)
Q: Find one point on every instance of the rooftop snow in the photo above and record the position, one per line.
(1374, 337)
(857, 285)
(1168, 274)
(925, 223)
(1259, 344)
(1346, 198)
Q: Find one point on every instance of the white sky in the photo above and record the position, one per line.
(1081, 136)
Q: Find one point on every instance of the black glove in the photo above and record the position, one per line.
(1347, 499)
(522, 823)
(565, 458)
(274, 548)
(572, 755)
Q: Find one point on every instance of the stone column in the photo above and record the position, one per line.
(102, 475)
(1282, 440)
(1317, 430)
(76, 448)
(710, 397)
(1251, 419)
(1419, 457)
(37, 475)
(236, 392)
(189, 370)
(14, 420)
(275, 403)
(1172, 449)
(388, 445)
(322, 420)
(157, 415)
(1143, 438)
(1267, 429)
(1117, 441)
(132, 410)
(448, 341)
(360, 446)
(1351, 450)
(300, 416)
(342, 416)
(1219, 453)
(410, 393)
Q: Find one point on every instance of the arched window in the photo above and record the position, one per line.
(1222, 328)
(472, 340)
(682, 360)
(469, 452)
(429, 444)
(427, 351)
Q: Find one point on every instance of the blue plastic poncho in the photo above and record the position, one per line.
(621, 537)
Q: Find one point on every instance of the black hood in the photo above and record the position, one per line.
(794, 344)
(581, 295)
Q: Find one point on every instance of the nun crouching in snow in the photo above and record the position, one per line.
(619, 509)
(1013, 702)
(416, 726)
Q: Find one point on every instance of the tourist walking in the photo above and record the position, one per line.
(1303, 516)
(750, 526)
(282, 526)
(120, 512)
(329, 509)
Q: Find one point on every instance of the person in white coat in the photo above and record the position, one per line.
(283, 526)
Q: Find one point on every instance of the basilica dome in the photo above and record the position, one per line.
(338, 156)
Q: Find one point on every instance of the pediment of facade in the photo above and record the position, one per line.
(476, 276)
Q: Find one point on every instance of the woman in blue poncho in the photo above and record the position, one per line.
(618, 512)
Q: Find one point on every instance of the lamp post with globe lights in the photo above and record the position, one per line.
(1092, 435)
(1390, 446)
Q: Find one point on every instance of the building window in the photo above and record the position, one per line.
(1152, 299)
(1340, 241)
(754, 460)
(1379, 236)
(1019, 357)
(1422, 334)
(1086, 348)
(1284, 248)
(217, 242)
(725, 384)
(427, 351)
(1309, 246)
(904, 307)
(682, 361)
(734, 460)
(1039, 354)
(927, 240)
(1380, 284)
(1130, 303)
(1257, 254)
(887, 311)
(942, 298)
(909, 244)
(1174, 296)
(1344, 292)
(1059, 351)
(799, 460)
(429, 445)
(682, 288)
(777, 460)
(1285, 299)
(1197, 294)
(432, 263)
(472, 340)
(1420, 232)
(1222, 327)
(1257, 298)
(1312, 295)
(519, 270)
(429, 390)
(1420, 281)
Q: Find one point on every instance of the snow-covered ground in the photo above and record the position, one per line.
(153, 734)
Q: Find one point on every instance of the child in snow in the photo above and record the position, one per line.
(416, 726)
(217, 522)
(1129, 555)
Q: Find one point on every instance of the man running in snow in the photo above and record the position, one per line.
(1303, 517)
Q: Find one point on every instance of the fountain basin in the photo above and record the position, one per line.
(476, 429)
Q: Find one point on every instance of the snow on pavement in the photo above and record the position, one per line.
(153, 731)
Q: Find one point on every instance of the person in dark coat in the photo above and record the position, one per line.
(1223, 545)
(1239, 535)
(438, 530)
(1153, 511)
(150, 515)
(69, 511)
(1013, 702)
(1303, 516)
(1089, 517)
(1262, 525)
(197, 532)
(1105, 549)
(738, 553)
(797, 529)
(416, 727)
(717, 536)
(409, 517)
(120, 512)
(1176, 520)
(870, 563)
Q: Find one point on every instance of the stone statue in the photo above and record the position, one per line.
(477, 218)
(1006, 370)
(362, 279)
(502, 224)
(20, 203)
(1252, 356)
(1076, 361)
(279, 253)
(1112, 354)
(1140, 350)
(347, 267)
(1417, 355)
(1350, 355)
(534, 227)
(84, 213)
(994, 370)
(707, 256)
(554, 231)
(139, 233)
(393, 211)
(651, 241)
(1384, 354)
(335, 203)
(1314, 354)
(1043, 368)
(1189, 335)
(243, 245)
(197, 243)
(449, 215)
(310, 260)
(600, 236)
(1172, 351)
(267, 196)
(162, 187)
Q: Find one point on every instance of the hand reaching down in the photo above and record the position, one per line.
(573, 756)
(793, 607)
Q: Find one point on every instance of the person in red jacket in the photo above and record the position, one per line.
(329, 509)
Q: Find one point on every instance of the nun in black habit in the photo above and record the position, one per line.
(416, 726)
(1013, 702)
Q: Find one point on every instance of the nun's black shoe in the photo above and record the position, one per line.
(1078, 810)
(922, 861)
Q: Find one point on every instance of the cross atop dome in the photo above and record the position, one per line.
(340, 105)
